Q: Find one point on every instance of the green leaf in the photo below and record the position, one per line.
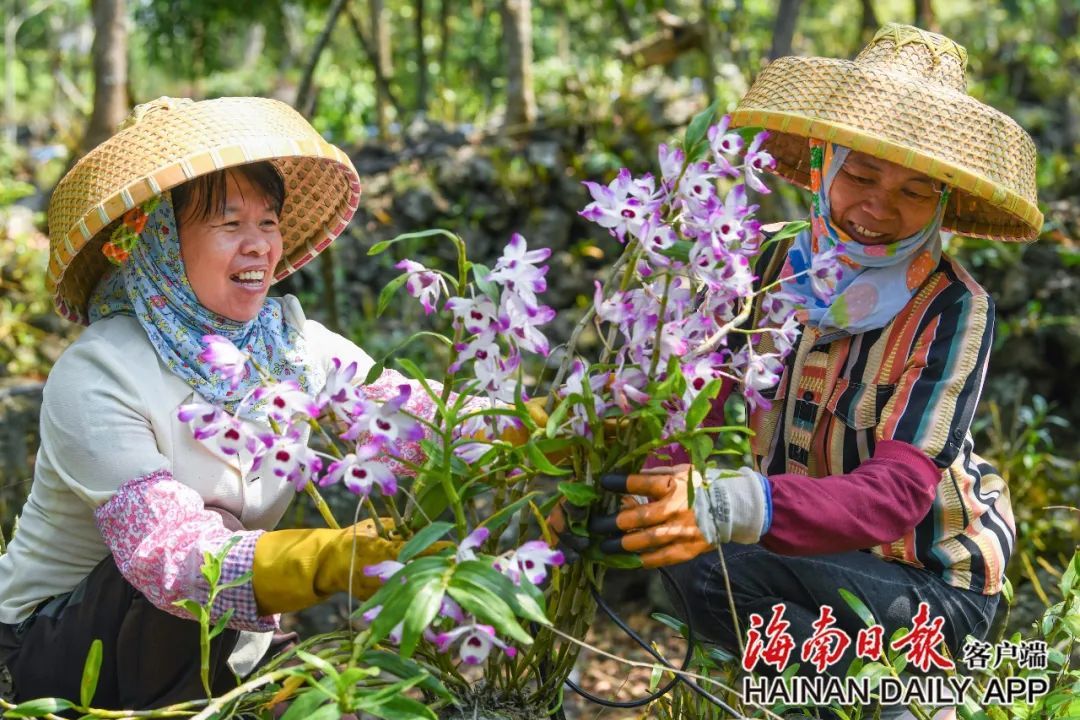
(304, 705)
(90, 674)
(721, 656)
(679, 251)
(219, 626)
(701, 446)
(655, 676)
(376, 370)
(672, 622)
(701, 405)
(330, 711)
(556, 418)
(243, 579)
(523, 599)
(694, 142)
(422, 540)
(1069, 577)
(622, 561)
(858, 606)
(579, 494)
(354, 676)
(398, 707)
(380, 247)
(431, 497)
(391, 702)
(319, 664)
(480, 273)
(423, 608)
(541, 463)
(790, 229)
(394, 664)
(211, 569)
(395, 596)
(487, 607)
(873, 670)
(500, 518)
(36, 708)
(388, 292)
(196, 610)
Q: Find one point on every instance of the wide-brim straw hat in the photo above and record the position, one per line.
(165, 143)
(903, 99)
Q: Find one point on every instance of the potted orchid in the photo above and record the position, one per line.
(491, 621)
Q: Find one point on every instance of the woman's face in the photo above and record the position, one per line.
(878, 202)
(230, 258)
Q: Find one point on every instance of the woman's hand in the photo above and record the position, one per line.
(662, 528)
(665, 530)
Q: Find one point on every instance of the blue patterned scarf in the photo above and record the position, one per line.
(875, 282)
(152, 286)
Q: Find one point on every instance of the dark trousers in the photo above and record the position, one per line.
(150, 658)
(760, 579)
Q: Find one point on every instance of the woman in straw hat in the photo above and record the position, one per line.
(865, 476)
(171, 230)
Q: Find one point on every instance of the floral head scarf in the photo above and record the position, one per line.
(151, 284)
(842, 284)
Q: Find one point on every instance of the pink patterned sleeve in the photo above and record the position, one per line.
(419, 404)
(158, 529)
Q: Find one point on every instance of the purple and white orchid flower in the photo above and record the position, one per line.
(531, 560)
(425, 285)
(362, 471)
(476, 643)
(757, 160)
(224, 359)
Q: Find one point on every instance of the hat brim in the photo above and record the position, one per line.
(322, 188)
(983, 154)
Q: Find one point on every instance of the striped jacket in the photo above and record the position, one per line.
(917, 380)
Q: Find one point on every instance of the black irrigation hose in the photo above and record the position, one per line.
(659, 658)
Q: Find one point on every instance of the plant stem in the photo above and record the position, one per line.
(321, 506)
(239, 691)
(660, 325)
(571, 344)
(370, 505)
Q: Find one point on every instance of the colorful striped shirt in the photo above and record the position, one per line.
(915, 381)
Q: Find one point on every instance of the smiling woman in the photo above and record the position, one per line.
(230, 237)
(864, 473)
(878, 202)
(167, 234)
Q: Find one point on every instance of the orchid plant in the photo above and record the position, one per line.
(502, 605)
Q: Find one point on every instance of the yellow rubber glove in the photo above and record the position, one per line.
(295, 569)
(518, 435)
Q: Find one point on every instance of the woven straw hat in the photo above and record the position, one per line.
(903, 99)
(167, 142)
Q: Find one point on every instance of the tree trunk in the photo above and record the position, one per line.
(305, 93)
(623, 16)
(708, 48)
(421, 58)
(869, 23)
(517, 35)
(563, 37)
(444, 36)
(675, 37)
(253, 46)
(109, 53)
(383, 63)
(787, 16)
(1068, 30)
(476, 64)
(924, 15)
